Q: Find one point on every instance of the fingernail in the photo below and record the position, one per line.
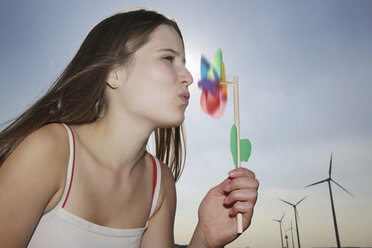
(232, 173)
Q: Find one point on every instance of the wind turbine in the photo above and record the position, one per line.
(329, 179)
(296, 217)
(291, 228)
(280, 225)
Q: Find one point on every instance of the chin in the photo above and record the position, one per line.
(174, 123)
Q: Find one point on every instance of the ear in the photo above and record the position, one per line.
(115, 76)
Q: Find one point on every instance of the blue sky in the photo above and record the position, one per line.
(305, 73)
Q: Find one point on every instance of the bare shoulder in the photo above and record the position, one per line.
(41, 157)
(160, 229)
(48, 143)
(167, 193)
(29, 178)
(168, 182)
(168, 188)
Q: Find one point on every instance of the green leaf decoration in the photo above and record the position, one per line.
(245, 147)
(233, 143)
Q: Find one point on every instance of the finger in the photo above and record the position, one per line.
(221, 186)
(241, 183)
(245, 208)
(241, 172)
(242, 195)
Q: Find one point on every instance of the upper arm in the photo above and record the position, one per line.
(159, 233)
(29, 178)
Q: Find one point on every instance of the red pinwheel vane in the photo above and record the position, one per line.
(213, 102)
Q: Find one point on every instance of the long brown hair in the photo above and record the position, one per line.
(77, 96)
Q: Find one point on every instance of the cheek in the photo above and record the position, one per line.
(154, 85)
(153, 92)
(159, 81)
(161, 74)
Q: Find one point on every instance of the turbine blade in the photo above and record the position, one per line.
(322, 181)
(286, 202)
(282, 216)
(342, 188)
(330, 166)
(301, 200)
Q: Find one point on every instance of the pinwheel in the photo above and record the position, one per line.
(213, 102)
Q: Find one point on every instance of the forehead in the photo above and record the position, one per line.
(164, 37)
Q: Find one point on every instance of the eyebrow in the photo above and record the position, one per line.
(172, 51)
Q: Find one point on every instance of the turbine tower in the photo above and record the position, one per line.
(280, 225)
(291, 228)
(286, 240)
(296, 217)
(329, 179)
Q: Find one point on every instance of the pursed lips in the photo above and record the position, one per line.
(185, 97)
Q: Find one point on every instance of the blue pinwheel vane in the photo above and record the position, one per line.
(213, 102)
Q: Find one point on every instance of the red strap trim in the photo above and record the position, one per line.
(155, 175)
(73, 166)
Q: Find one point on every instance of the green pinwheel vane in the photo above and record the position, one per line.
(213, 102)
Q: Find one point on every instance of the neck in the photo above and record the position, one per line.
(119, 144)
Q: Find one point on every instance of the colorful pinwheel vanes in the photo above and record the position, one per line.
(214, 94)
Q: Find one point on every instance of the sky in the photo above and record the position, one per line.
(305, 82)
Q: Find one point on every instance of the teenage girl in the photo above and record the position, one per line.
(74, 167)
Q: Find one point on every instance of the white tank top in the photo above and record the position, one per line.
(59, 228)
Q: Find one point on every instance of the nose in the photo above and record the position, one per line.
(185, 76)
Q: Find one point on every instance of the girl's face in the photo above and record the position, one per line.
(156, 84)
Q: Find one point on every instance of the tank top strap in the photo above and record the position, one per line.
(156, 183)
(71, 165)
